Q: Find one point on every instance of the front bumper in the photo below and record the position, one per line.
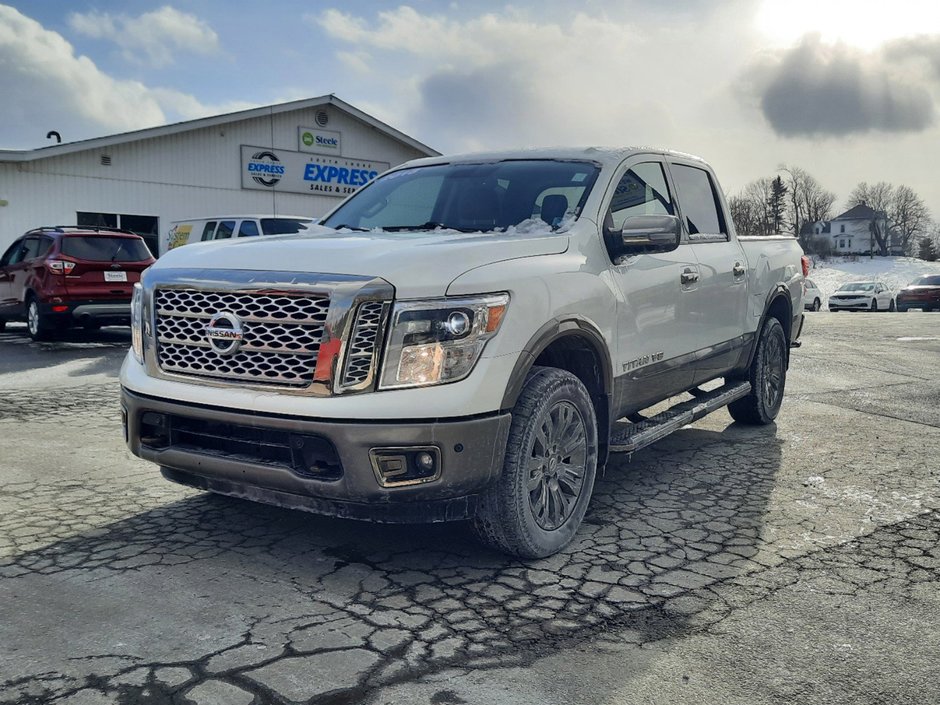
(260, 457)
(850, 305)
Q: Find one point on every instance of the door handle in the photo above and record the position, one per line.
(689, 276)
(738, 270)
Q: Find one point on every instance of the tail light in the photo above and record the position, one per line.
(806, 265)
(59, 266)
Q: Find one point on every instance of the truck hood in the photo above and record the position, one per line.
(415, 263)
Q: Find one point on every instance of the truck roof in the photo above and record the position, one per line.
(607, 156)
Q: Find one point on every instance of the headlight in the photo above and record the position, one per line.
(137, 321)
(437, 341)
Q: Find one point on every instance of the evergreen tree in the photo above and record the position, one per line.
(928, 251)
(776, 203)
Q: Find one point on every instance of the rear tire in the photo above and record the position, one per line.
(535, 507)
(874, 305)
(817, 304)
(768, 378)
(37, 325)
(891, 306)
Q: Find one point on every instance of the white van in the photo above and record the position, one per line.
(223, 227)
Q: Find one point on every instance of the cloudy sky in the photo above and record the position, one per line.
(849, 90)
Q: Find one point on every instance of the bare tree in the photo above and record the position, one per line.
(751, 209)
(807, 201)
(909, 214)
(900, 207)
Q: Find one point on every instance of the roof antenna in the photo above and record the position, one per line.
(53, 133)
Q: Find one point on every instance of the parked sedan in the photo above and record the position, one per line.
(922, 293)
(812, 298)
(862, 296)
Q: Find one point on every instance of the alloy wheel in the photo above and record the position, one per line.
(773, 372)
(557, 465)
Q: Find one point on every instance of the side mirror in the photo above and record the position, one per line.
(649, 234)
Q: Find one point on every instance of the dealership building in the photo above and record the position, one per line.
(298, 158)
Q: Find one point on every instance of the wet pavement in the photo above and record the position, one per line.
(791, 563)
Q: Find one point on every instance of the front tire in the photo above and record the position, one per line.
(768, 377)
(817, 304)
(891, 306)
(536, 506)
(874, 305)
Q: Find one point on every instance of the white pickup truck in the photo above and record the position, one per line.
(464, 338)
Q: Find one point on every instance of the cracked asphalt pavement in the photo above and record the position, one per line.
(795, 563)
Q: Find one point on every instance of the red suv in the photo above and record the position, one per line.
(62, 276)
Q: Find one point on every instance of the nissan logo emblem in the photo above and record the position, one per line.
(225, 333)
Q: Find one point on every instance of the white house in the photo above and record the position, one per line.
(296, 158)
(851, 232)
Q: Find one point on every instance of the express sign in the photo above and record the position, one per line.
(286, 171)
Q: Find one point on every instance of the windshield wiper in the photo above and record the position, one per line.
(430, 225)
(349, 227)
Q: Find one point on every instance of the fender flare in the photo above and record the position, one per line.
(777, 291)
(553, 331)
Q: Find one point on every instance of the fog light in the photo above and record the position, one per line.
(424, 461)
(397, 467)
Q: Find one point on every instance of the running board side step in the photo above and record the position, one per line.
(643, 433)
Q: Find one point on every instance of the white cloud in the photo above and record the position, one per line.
(154, 37)
(508, 79)
(47, 87)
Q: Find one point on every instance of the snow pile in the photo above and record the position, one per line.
(896, 272)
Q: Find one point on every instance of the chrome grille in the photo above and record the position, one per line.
(360, 352)
(281, 335)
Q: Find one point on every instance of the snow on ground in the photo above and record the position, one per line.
(896, 272)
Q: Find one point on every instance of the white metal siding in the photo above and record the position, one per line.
(187, 175)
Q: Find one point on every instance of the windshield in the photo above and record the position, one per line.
(105, 249)
(471, 197)
(927, 281)
(857, 286)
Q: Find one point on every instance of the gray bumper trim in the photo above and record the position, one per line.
(471, 453)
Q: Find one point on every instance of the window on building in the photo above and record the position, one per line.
(843, 228)
(147, 226)
(841, 244)
(849, 243)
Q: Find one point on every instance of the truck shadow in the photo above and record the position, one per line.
(662, 531)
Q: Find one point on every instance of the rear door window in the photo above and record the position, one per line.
(105, 249)
(698, 199)
(31, 248)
